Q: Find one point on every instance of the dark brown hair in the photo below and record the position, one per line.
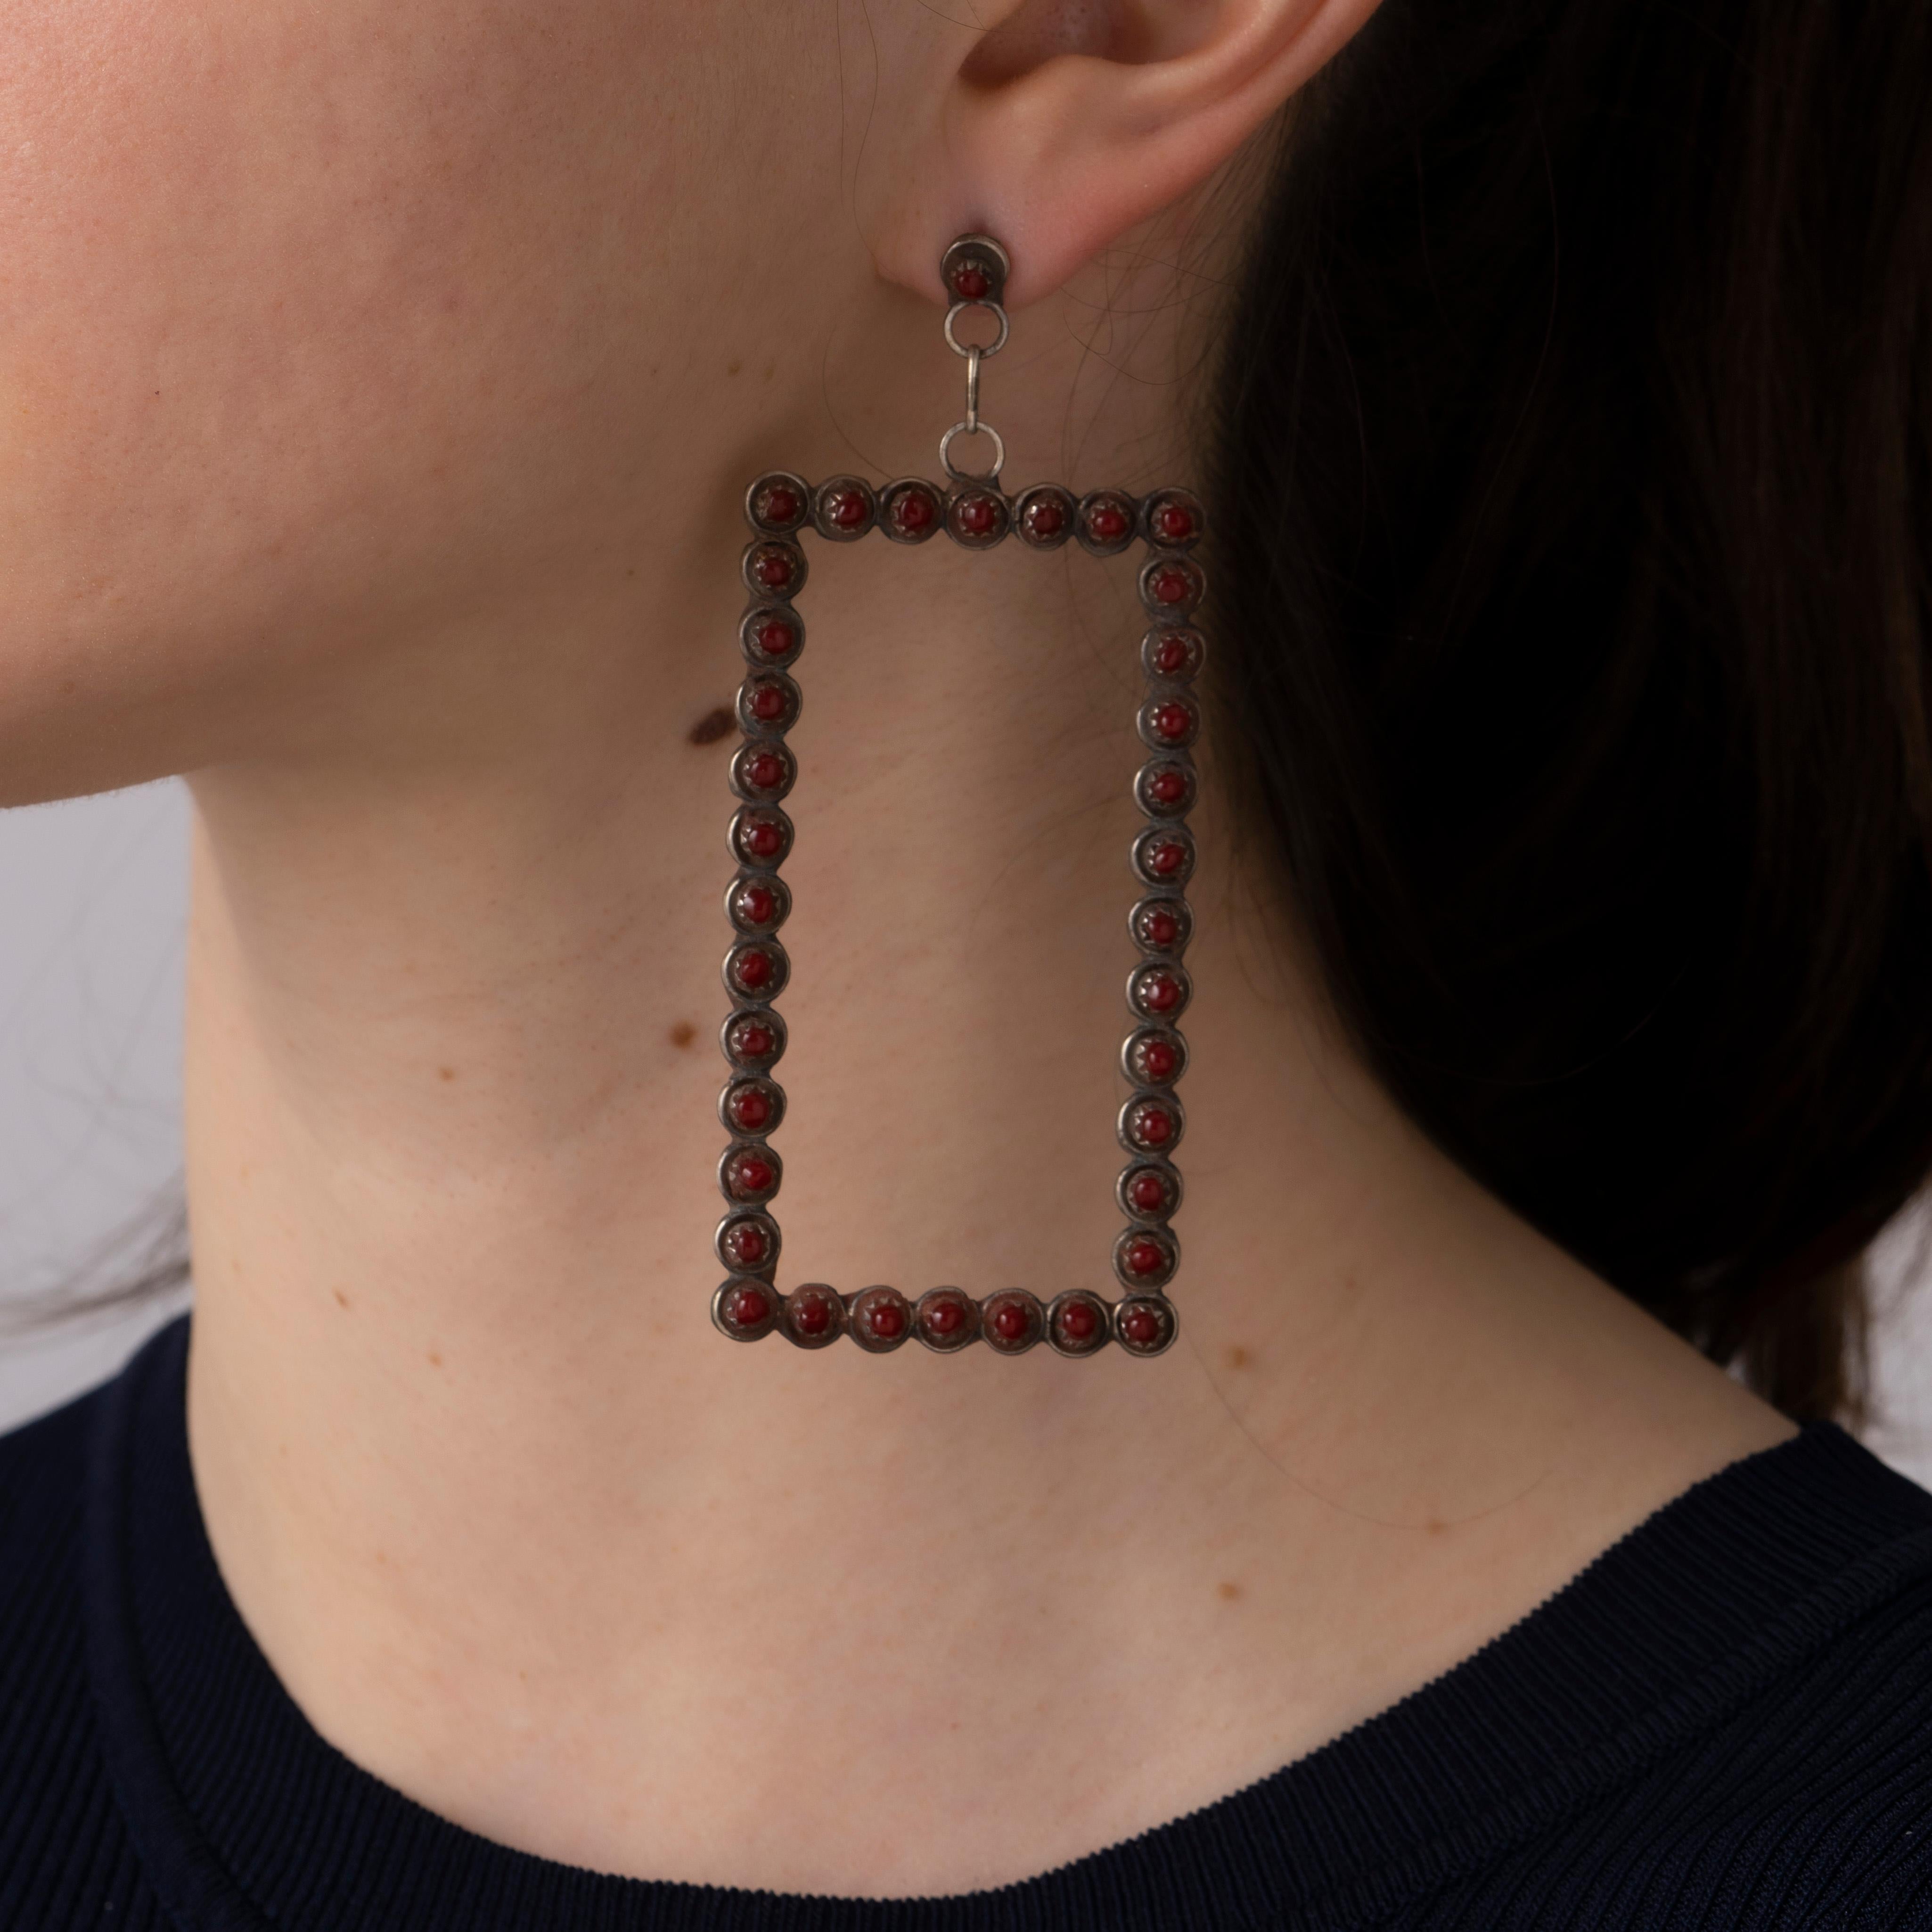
(1572, 462)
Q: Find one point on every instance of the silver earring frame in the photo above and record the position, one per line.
(974, 512)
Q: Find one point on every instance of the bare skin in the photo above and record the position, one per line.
(378, 387)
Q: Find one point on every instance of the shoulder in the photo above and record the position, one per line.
(1769, 1769)
(41, 1469)
(59, 1834)
(42, 1480)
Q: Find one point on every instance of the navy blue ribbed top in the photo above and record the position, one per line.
(1725, 1721)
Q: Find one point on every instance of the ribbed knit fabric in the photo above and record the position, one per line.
(1726, 1722)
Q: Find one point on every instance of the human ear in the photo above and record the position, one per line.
(1068, 122)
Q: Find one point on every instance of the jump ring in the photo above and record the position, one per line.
(973, 361)
(959, 348)
(959, 475)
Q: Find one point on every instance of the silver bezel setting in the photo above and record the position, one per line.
(773, 1095)
(1143, 1036)
(741, 921)
(1028, 500)
(1139, 982)
(749, 1143)
(858, 1309)
(1158, 1305)
(890, 495)
(1065, 1345)
(746, 819)
(966, 1334)
(1169, 835)
(1144, 909)
(740, 1331)
(749, 1217)
(771, 987)
(770, 677)
(1147, 723)
(1168, 1174)
(1177, 611)
(742, 778)
(750, 1010)
(756, 553)
(998, 1304)
(849, 487)
(771, 479)
(1155, 502)
(1154, 646)
(1104, 546)
(812, 1293)
(983, 491)
(756, 654)
(1169, 1103)
(1138, 1284)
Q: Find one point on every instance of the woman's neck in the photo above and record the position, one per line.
(524, 1535)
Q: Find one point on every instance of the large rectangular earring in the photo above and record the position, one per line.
(976, 513)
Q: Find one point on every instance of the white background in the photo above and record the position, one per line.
(93, 899)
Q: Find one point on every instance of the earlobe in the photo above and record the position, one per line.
(1069, 122)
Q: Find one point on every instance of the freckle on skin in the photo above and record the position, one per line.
(1228, 1592)
(445, 1073)
(435, 1359)
(733, 368)
(341, 1299)
(683, 1033)
(1238, 1357)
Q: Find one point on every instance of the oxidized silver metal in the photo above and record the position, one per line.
(1168, 909)
(1154, 1311)
(1069, 1312)
(733, 1299)
(768, 701)
(1139, 1113)
(734, 1180)
(813, 1315)
(743, 913)
(1163, 855)
(1138, 1045)
(1115, 504)
(976, 514)
(737, 1232)
(971, 349)
(880, 1320)
(732, 1038)
(963, 427)
(1165, 1175)
(748, 1092)
(1172, 654)
(1043, 517)
(852, 495)
(911, 492)
(772, 636)
(1166, 1248)
(1012, 1321)
(1158, 990)
(933, 1320)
